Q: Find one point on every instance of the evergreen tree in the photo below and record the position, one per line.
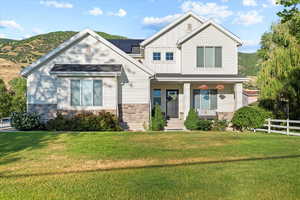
(18, 91)
(5, 100)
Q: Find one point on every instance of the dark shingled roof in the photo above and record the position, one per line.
(129, 46)
(86, 68)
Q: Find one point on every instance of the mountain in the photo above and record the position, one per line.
(15, 54)
(248, 64)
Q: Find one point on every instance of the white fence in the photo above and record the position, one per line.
(5, 122)
(287, 127)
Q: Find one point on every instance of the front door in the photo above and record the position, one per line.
(172, 103)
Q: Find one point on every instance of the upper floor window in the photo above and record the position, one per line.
(86, 92)
(169, 56)
(209, 57)
(156, 56)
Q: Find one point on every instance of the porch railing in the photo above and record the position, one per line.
(5, 122)
(286, 127)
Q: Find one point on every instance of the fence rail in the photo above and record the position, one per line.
(284, 127)
(5, 122)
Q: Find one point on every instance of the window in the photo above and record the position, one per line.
(156, 56)
(209, 57)
(156, 94)
(169, 56)
(86, 92)
(205, 99)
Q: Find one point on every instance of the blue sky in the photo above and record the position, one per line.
(248, 19)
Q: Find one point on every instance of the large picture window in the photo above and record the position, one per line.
(205, 99)
(209, 57)
(86, 92)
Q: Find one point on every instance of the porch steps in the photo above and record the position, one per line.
(175, 124)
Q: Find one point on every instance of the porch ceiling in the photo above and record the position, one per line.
(217, 78)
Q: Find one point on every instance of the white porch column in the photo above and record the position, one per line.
(187, 98)
(238, 93)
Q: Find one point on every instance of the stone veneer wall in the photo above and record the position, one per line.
(134, 116)
(70, 113)
(46, 111)
(225, 115)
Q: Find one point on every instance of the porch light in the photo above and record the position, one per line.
(220, 87)
(203, 87)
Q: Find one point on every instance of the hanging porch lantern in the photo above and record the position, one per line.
(220, 87)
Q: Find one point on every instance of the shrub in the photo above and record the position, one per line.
(204, 125)
(250, 117)
(26, 121)
(103, 121)
(158, 121)
(219, 125)
(192, 120)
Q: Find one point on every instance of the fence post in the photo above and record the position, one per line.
(269, 125)
(288, 127)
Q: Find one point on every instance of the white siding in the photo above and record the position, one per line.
(211, 36)
(167, 42)
(42, 87)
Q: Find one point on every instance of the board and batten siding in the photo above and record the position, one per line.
(43, 87)
(168, 43)
(211, 36)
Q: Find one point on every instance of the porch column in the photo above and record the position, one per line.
(187, 98)
(238, 93)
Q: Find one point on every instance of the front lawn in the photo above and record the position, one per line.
(193, 165)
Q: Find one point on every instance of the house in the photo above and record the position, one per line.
(191, 63)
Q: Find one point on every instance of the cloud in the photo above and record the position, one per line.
(37, 31)
(2, 35)
(248, 18)
(251, 42)
(249, 3)
(224, 1)
(158, 22)
(10, 24)
(56, 4)
(121, 13)
(95, 12)
(209, 10)
(269, 3)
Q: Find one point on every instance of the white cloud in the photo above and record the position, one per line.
(37, 31)
(249, 3)
(121, 13)
(248, 18)
(10, 24)
(209, 10)
(56, 4)
(159, 21)
(2, 35)
(251, 42)
(272, 2)
(95, 12)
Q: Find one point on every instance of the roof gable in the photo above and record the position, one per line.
(67, 44)
(171, 26)
(204, 26)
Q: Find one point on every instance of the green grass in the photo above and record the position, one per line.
(194, 165)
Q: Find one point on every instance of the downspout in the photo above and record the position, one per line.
(117, 96)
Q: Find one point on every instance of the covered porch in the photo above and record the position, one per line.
(214, 97)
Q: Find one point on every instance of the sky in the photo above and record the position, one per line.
(139, 19)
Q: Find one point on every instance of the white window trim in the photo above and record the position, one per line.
(209, 94)
(214, 57)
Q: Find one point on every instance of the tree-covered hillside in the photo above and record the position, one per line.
(26, 51)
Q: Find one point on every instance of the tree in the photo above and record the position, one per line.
(158, 121)
(18, 91)
(290, 9)
(279, 58)
(5, 100)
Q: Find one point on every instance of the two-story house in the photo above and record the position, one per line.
(191, 63)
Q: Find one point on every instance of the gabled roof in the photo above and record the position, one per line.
(204, 26)
(170, 26)
(28, 70)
